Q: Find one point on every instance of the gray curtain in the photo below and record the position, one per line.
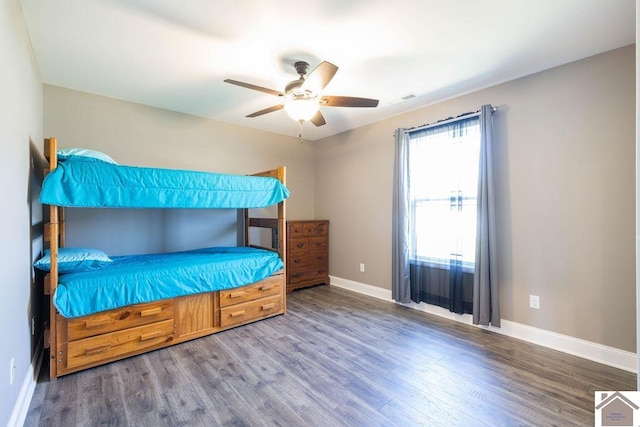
(486, 306)
(400, 287)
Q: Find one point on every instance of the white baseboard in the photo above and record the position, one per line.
(20, 409)
(587, 350)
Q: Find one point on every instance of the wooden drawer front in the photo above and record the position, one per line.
(119, 319)
(305, 261)
(309, 229)
(299, 245)
(294, 230)
(270, 286)
(309, 273)
(322, 228)
(318, 243)
(103, 347)
(248, 311)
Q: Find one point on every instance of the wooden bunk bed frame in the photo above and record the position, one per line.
(84, 342)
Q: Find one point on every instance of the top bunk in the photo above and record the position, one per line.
(90, 179)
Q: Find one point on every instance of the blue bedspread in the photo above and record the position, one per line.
(82, 182)
(134, 279)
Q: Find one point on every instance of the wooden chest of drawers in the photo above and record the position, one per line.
(307, 253)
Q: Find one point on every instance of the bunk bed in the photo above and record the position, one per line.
(103, 309)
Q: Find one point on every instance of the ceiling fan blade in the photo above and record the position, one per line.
(319, 77)
(347, 101)
(267, 110)
(318, 119)
(254, 87)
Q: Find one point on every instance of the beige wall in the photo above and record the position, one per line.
(145, 136)
(20, 122)
(565, 192)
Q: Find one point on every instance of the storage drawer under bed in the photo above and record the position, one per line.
(249, 311)
(119, 319)
(267, 287)
(97, 349)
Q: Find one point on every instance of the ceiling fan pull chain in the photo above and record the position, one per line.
(301, 135)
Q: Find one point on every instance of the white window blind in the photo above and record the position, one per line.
(443, 185)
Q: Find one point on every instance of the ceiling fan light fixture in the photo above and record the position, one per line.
(301, 110)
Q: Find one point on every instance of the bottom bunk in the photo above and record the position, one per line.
(92, 340)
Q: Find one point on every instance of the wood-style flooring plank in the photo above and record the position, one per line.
(337, 358)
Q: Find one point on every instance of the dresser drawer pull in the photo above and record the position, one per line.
(297, 275)
(237, 313)
(266, 287)
(297, 261)
(103, 348)
(150, 335)
(320, 257)
(268, 306)
(300, 245)
(318, 244)
(320, 271)
(97, 322)
(236, 294)
(150, 312)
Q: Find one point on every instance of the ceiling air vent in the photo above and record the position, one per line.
(403, 98)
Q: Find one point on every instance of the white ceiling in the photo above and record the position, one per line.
(175, 54)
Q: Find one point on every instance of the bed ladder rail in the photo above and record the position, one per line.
(270, 223)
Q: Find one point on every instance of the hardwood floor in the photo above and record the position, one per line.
(336, 358)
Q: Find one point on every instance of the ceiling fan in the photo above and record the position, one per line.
(301, 98)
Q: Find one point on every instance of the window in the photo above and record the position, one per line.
(443, 186)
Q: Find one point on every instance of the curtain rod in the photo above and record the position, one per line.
(448, 120)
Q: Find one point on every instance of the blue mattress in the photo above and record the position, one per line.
(91, 183)
(134, 279)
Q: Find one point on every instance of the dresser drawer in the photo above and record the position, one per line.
(306, 260)
(298, 245)
(309, 229)
(318, 243)
(322, 228)
(248, 311)
(307, 274)
(119, 319)
(96, 349)
(267, 287)
(295, 230)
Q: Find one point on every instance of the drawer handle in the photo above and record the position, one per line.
(297, 261)
(237, 313)
(97, 322)
(103, 348)
(150, 312)
(297, 275)
(236, 294)
(268, 306)
(150, 335)
(320, 257)
(266, 287)
(320, 271)
(318, 244)
(300, 245)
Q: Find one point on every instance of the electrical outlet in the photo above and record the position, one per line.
(12, 370)
(361, 268)
(534, 301)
